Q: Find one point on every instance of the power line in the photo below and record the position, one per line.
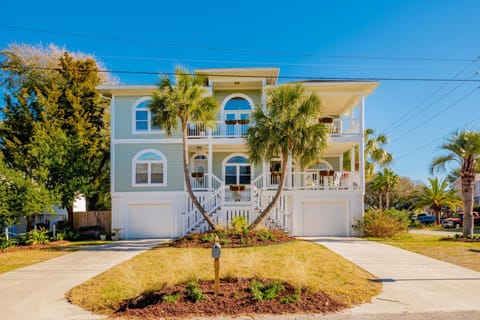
(213, 48)
(318, 78)
(412, 152)
(414, 109)
(274, 63)
(436, 115)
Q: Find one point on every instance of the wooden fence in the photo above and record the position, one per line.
(93, 218)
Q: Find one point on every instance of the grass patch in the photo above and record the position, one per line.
(23, 256)
(301, 263)
(466, 254)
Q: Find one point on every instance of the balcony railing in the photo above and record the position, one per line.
(338, 128)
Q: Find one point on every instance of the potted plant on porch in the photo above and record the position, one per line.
(243, 121)
(237, 187)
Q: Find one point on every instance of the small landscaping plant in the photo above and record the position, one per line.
(193, 292)
(170, 298)
(261, 291)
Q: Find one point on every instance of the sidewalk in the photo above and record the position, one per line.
(412, 283)
(38, 291)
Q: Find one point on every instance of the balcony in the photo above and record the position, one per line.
(337, 128)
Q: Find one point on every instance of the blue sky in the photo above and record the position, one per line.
(351, 39)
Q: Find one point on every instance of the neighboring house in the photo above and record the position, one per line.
(148, 190)
(457, 184)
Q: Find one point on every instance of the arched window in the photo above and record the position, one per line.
(237, 107)
(237, 170)
(143, 117)
(149, 168)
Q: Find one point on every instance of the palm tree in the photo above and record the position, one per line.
(183, 102)
(284, 129)
(375, 153)
(385, 181)
(437, 195)
(462, 147)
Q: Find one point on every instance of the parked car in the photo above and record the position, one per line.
(456, 222)
(425, 218)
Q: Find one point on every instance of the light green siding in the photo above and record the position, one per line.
(124, 120)
(124, 154)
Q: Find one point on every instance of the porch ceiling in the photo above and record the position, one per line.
(340, 96)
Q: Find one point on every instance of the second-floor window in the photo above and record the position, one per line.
(143, 117)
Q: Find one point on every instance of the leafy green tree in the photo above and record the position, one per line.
(462, 148)
(182, 102)
(284, 129)
(436, 195)
(21, 196)
(50, 89)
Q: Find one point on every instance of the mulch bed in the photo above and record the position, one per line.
(233, 239)
(234, 298)
(46, 246)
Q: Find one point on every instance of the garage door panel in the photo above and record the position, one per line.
(150, 221)
(324, 218)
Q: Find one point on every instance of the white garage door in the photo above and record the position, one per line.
(325, 218)
(150, 221)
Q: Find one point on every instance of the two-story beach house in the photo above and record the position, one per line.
(148, 190)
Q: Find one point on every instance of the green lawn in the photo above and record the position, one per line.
(466, 254)
(19, 257)
(301, 263)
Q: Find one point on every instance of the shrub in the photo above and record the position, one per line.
(383, 224)
(193, 292)
(5, 244)
(38, 236)
(240, 225)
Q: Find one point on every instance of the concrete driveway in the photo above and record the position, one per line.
(38, 291)
(412, 284)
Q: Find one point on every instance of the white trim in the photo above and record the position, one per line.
(112, 146)
(147, 141)
(149, 118)
(149, 184)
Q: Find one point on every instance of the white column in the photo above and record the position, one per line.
(210, 165)
(264, 96)
(361, 152)
(265, 171)
(289, 171)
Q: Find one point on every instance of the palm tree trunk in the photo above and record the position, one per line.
(436, 212)
(380, 201)
(467, 197)
(186, 174)
(387, 199)
(264, 214)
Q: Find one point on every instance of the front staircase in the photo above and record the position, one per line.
(223, 205)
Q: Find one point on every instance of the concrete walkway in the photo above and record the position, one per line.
(38, 291)
(412, 283)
